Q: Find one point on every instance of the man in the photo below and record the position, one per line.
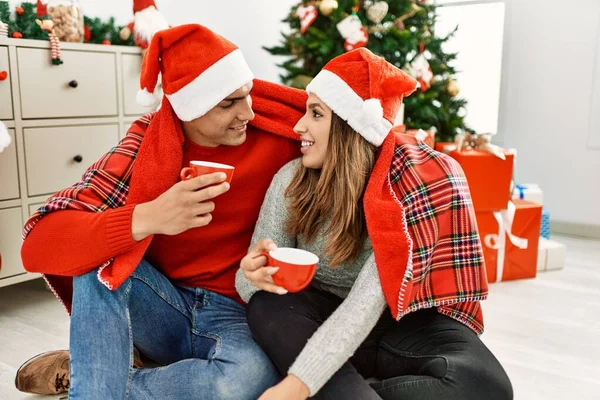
(141, 259)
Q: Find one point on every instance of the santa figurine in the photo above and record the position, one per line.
(46, 24)
(4, 137)
(147, 21)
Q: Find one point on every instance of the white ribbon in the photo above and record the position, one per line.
(497, 241)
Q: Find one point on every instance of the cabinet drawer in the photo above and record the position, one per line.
(9, 175)
(132, 67)
(11, 226)
(57, 157)
(46, 90)
(6, 107)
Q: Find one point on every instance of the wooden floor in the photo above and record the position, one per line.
(546, 331)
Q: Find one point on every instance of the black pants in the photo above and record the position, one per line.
(424, 356)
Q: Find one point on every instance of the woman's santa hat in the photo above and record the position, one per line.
(364, 90)
(147, 21)
(4, 137)
(199, 70)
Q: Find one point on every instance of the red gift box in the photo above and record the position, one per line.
(489, 178)
(510, 240)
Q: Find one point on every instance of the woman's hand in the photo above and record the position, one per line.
(255, 270)
(291, 388)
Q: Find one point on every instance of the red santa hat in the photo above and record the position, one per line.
(147, 21)
(41, 10)
(364, 90)
(199, 69)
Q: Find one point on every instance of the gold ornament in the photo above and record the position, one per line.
(301, 81)
(328, 6)
(400, 20)
(125, 33)
(377, 12)
(452, 88)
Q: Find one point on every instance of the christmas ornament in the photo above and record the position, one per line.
(19, 10)
(17, 35)
(352, 30)
(147, 21)
(420, 70)
(87, 33)
(3, 75)
(125, 33)
(301, 81)
(453, 88)
(4, 137)
(328, 6)
(46, 23)
(399, 22)
(106, 42)
(377, 11)
(308, 15)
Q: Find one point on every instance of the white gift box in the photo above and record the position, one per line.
(551, 255)
(530, 192)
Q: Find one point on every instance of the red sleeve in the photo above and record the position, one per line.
(73, 243)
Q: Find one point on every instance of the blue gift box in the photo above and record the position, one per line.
(545, 229)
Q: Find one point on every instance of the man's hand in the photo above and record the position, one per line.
(254, 268)
(186, 205)
(291, 388)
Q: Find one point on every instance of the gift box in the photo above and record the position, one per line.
(529, 191)
(489, 177)
(445, 147)
(545, 229)
(551, 255)
(510, 240)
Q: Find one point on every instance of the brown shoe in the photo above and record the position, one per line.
(46, 373)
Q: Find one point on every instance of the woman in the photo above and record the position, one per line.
(392, 223)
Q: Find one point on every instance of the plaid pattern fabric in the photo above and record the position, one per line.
(448, 270)
(104, 185)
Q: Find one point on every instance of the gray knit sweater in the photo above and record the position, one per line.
(358, 283)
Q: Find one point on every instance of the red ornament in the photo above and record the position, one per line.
(3, 75)
(106, 42)
(87, 33)
(20, 10)
(17, 35)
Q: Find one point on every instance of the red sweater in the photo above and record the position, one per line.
(72, 242)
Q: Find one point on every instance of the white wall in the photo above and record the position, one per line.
(549, 71)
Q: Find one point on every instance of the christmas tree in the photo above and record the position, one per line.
(401, 31)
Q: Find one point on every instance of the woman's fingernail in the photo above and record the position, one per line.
(281, 291)
(272, 270)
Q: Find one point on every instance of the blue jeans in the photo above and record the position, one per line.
(202, 339)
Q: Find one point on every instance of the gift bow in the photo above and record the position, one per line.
(482, 142)
(497, 241)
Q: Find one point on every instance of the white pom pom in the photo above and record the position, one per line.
(371, 113)
(5, 139)
(146, 99)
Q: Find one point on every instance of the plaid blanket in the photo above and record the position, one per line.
(422, 224)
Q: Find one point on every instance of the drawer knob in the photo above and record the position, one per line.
(3, 75)
(78, 158)
(73, 84)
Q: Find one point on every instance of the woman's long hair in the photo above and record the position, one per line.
(334, 194)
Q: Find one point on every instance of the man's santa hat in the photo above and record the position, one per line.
(4, 137)
(147, 21)
(199, 70)
(364, 90)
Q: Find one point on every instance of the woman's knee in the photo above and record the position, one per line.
(486, 379)
(265, 312)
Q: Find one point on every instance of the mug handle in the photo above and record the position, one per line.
(263, 254)
(187, 173)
